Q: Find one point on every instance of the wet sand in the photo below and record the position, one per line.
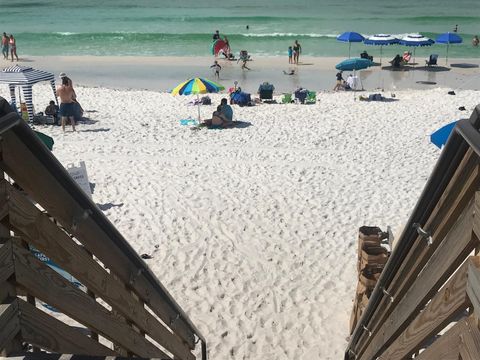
(314, 73)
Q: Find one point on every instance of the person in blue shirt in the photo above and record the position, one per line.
(226, 110)
(290, 55)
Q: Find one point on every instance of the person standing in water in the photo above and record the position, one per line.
(12, 43)
(5, 40)
(297, 49)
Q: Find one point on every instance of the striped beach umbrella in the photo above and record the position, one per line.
(197, 86)
(415, 40)
(381, 40)
(25, 77)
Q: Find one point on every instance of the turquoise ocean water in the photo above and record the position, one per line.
(185, 27)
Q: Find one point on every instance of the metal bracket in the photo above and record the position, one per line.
(423, 233)
(367, 330)
(388, 294)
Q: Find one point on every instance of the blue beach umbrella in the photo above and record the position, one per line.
(415, 40)
(350, 37)
(354, 64)
(440, 137)
(381, 40)
(448, 38)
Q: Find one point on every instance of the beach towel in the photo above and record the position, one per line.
(233, 124)
(187, 122)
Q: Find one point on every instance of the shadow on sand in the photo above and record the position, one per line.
(417, 68)
(464, 66)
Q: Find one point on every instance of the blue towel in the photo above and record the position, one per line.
(187, 122)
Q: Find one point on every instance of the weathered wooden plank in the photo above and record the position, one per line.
(459, 191)
(7, 291)
(473, 288)
(45, 284)
(447, 346)
(470, 341)
(3, 204)
(37, 228)
(98, 235)
(38, 328)
(6, 261)
(458, 243)
(9, 323)
(447, 303)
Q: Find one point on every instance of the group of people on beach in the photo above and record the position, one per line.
(294, 52)
(9, 44)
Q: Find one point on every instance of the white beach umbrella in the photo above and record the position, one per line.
(415, 40)
(381, 40)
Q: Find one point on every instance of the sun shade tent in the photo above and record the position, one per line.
(25, 77)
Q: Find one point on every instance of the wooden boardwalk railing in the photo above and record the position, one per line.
(126, 310)
(432, 280)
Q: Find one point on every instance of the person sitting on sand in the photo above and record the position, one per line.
(52, 110)
(222, 117)
(226, 110)
(339, 85)
(397, 61)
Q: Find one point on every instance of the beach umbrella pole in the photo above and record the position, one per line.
(381, 55)
(349, 47)
(446, 61)
(198, 106)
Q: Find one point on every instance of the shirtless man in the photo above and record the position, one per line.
(67, 105)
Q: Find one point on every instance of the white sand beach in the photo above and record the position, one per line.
(254, 230)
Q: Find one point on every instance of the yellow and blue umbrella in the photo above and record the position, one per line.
(197, 86)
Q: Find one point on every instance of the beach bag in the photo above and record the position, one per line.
(205, 100)
(241, 98)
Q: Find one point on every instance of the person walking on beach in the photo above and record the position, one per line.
(12, 43)
(297, 49)
(340, 80)
(5, 40)
(290, 55)
(67, 104)
(216, 35)
(216, 68)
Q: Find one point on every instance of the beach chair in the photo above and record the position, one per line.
(265, 91)
(432, 60)
(407, 55)
(287, 98)
(311, 97)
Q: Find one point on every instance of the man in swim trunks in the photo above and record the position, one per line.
(5, 40)
(67, 105)
(216, 35)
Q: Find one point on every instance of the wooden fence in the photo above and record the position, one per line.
(124, 311)
(427, 305)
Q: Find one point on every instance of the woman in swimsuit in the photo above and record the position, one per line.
(13, 47)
